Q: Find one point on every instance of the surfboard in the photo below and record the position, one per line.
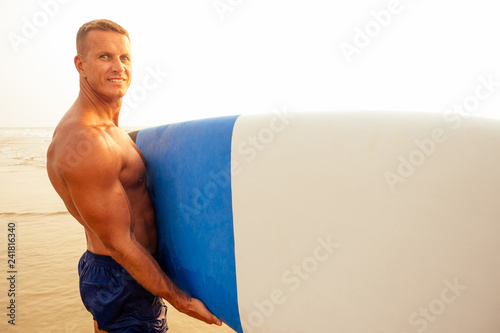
(332, 221)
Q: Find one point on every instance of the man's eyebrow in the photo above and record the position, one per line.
(101, 51)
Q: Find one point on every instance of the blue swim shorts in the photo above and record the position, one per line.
(116, 300)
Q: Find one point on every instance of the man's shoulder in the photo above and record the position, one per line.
(72, 135)
(77, 147)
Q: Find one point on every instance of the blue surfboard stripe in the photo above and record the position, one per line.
(195, 225)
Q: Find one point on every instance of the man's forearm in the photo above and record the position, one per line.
(145, 270)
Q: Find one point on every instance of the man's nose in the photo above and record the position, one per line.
(118, 66)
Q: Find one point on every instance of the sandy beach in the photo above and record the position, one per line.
(48, 245)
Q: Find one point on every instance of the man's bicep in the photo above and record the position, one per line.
(101, 201)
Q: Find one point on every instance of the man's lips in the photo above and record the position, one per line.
(117, 80)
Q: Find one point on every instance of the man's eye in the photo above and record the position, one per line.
(125, 58)
(104, 56)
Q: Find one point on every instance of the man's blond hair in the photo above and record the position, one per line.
(104, 25)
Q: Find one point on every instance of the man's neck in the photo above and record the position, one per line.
(103, 111)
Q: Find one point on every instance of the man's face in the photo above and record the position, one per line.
(107, 64)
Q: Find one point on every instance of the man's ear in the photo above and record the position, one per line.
(79, 66)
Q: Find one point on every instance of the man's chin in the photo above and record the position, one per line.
(118, 94)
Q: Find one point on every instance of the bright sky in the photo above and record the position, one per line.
(198, 59)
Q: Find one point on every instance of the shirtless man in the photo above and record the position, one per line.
(99, 173)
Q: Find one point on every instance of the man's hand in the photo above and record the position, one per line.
(195, 308)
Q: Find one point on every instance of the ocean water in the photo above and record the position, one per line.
(48, 243)
(25, 146)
